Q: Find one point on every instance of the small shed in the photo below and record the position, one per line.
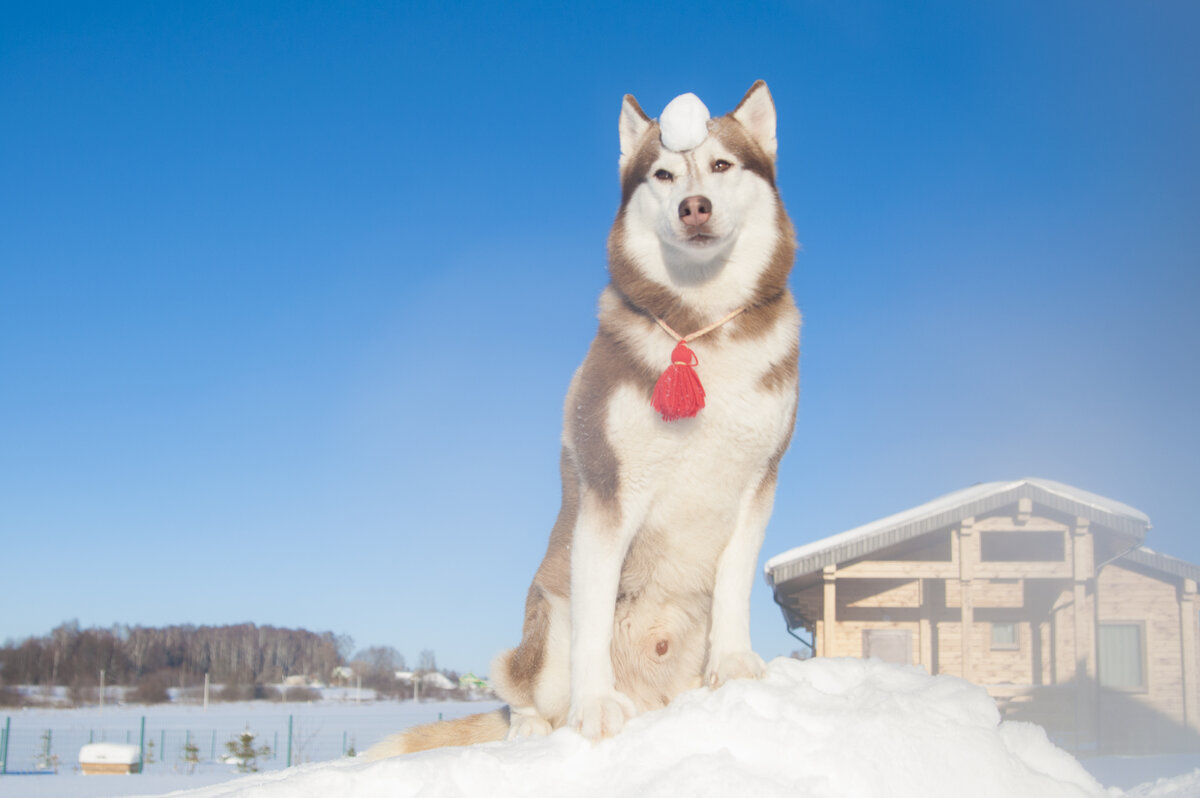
(110, 758)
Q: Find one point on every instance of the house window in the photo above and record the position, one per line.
(1004, 637)
(1121, 650)
(1022, 547)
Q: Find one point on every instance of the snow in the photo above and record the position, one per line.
(684, 123)
(321, 731)
(1186, 786)
(116, 753)
(825, 728)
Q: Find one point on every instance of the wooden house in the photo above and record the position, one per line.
(1038, 591)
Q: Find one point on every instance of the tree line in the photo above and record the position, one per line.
(233, 654)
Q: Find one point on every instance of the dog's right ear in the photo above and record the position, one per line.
(756, 112)
(633, 125)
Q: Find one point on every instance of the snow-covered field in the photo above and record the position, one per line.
(824, 728)
(321, 731)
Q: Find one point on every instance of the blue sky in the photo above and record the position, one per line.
(290, 294)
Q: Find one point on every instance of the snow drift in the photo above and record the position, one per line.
(825, 728)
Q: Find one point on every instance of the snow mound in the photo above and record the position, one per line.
(825, 728)
(684, 123)
(1185, 786)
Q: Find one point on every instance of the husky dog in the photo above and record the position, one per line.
(644, 591)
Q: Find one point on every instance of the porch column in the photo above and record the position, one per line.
(1084, 615)
(1187, 636)
(968, 555)
(926, 624)
(829, 613)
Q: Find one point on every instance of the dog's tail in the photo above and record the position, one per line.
(485, 727)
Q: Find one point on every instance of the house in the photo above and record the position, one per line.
(469, 681)
(427, 679)
(1038, 591)
(438, 680)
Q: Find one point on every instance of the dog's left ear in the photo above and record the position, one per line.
(633, 125)
(756, 113)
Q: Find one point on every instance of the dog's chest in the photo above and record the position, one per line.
(692, 473)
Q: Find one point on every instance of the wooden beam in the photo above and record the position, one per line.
(1024, 510)
(1024, 570)
(1187, 635)
(968, 549)
(968, 556)
(926, 626)
(898, 569)
(829, 613)
(1084, 615)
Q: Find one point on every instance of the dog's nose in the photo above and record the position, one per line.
(695, 211)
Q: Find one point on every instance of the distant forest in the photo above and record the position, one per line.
(177, 655)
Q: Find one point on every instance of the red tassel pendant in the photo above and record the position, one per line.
(678, 392)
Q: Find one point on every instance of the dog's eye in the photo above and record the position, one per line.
(720, 165)
(664, 175)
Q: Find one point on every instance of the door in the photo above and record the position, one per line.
(889, 645)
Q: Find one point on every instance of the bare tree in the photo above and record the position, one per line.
(377, 666)
(244, 654)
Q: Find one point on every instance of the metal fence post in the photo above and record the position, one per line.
(289, 759)
(4, 745)
(142, 748)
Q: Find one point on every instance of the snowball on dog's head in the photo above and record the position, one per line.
(684, 123)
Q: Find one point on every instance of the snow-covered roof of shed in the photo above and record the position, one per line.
(105, 753)
(950, 509)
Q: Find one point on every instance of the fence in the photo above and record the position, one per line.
(183, 742)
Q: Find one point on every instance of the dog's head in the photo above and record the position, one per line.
(697, 195)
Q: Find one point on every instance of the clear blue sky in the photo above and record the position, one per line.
(290, 294)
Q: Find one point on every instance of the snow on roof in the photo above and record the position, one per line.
(946, 510)
(438, 680)
(684, 123)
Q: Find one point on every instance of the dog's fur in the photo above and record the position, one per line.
(645, 587)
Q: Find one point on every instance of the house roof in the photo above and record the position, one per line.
(947, 510)
(1163, 562)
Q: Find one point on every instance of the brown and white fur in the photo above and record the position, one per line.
(645, 587)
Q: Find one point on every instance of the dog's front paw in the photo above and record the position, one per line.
(734, 665)
(601, 716)
(526, 722)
